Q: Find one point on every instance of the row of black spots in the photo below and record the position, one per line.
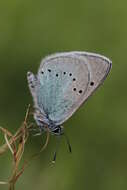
(49, 70)
(70, 74)
(80, 91)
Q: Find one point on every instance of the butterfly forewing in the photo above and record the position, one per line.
(64, 81)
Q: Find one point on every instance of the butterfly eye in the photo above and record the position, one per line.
(49, 70)
(74, 79)
(42, 72)
(70, 74)
(64, 73)
(92, 83)
(74, 89)
(56, 75)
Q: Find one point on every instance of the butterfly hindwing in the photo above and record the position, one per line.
(32, 83)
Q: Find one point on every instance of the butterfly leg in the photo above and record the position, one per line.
(38, 132)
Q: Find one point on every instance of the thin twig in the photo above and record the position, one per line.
(16, 144)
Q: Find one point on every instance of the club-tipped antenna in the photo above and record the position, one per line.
(57, 148)
(58, 145)
(68, 142)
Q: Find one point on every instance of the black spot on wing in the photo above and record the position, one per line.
(92, 83)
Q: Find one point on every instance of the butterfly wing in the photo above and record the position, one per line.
(33, 84)
(99, 67)
(66, 80)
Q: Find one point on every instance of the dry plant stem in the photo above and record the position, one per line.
(12, 186)
(16, 174)
(33, 157)
(16, 145)
(17, 135)
(17, 152)
(3, 183)
(4, 147)
(12, 140)
(17, 157)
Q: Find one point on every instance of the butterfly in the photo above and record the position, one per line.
(63, 83)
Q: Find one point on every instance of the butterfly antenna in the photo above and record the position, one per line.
(57, 148)
(68, 142)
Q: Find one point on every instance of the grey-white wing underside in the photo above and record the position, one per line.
(66, 80)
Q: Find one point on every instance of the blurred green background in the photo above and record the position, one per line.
(30, 30)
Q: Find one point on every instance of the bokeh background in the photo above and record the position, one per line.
(30, 30)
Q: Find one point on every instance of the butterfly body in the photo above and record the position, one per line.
(64, 81)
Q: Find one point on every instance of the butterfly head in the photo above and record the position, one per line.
(46, 124)
(57, 130)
